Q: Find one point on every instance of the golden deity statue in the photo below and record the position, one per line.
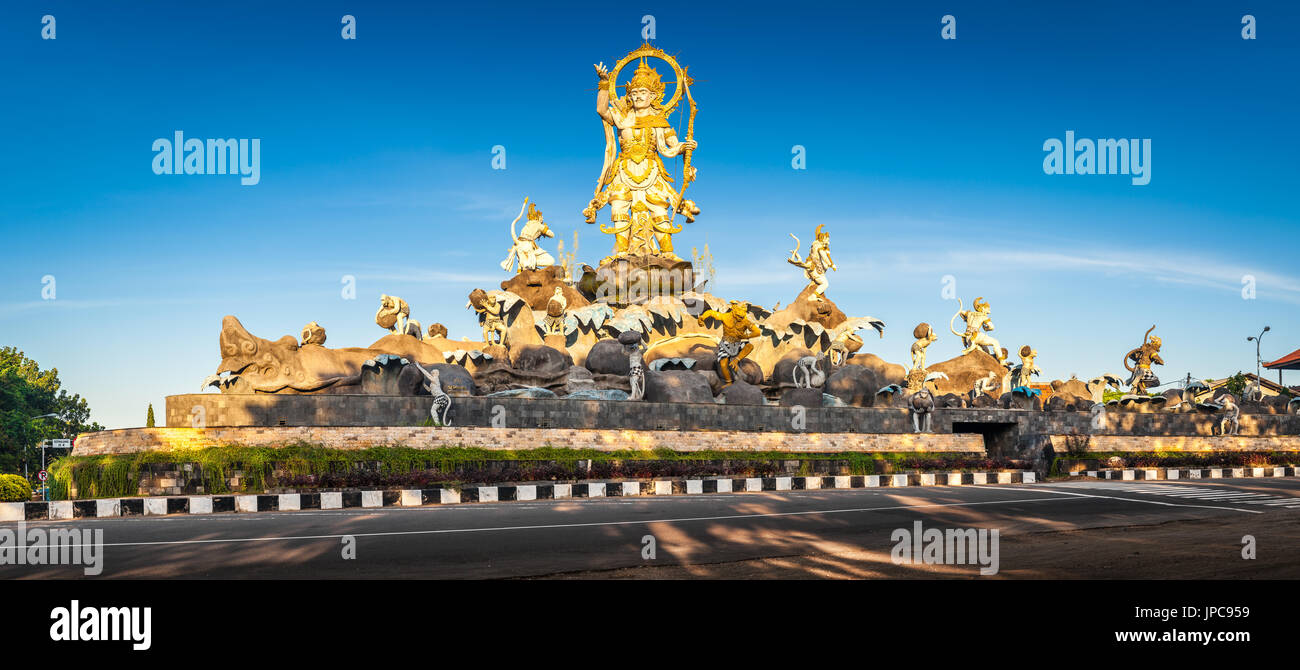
(737, 328)
(634, 181)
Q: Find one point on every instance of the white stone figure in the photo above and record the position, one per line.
(553, 324)
(441, 401)
(523, 247)
(1230, 424)
(985, 385)
(978, 325)
(636, 371)
(808, 373)
(817, 264)
(1253, 391)
(846, 332)
(395, 315)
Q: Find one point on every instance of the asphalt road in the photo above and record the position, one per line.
(1085, 529)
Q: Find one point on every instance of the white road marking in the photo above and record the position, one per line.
(1198, 493)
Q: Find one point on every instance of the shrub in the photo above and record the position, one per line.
(14, 488)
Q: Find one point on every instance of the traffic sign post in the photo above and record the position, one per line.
(50, 444)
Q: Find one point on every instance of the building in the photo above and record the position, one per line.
(1290, 361)
(1269, 388)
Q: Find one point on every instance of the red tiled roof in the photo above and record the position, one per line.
(1290, 361)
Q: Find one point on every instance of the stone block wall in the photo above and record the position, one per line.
(1184, 443)
(231, 410)
(132, 440)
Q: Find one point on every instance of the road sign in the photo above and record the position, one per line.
(60, 444)
(42, 475)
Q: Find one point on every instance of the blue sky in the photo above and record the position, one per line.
(924, 159)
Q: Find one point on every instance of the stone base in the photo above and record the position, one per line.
(635, 279)
(537, 286)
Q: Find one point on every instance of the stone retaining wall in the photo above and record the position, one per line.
(218, 410)
(132, 440)
(1185, 443)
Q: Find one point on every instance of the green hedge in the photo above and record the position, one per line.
(119, 476)
(15, 488)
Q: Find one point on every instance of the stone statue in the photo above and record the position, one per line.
(633, 180)
(312, 333)
(555, 309)
(1021, 375)
(437, 330)
(395, 315)
(1230, 424)
(491, 316)
(636, 370)
(817, 264)
(807, 372)
(925, 336)
(737, 327)
(441, 401)
(523, 247)
(986, 385)
(848, 332)
(1144, 356)
(977, 319)
(922, 403)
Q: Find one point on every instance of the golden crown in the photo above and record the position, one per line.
(646, 77)
(534, 214)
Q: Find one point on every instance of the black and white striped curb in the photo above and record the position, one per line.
(283, 502)
(1148, 474)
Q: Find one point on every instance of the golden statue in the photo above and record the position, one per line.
(633, 180)
(1144, 356)
(736, 328)
(817, 264)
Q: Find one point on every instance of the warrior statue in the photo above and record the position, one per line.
(977, 319)
(633, 181)
(736, 329)
(816, 264)
(524, 246)
(1144, 356)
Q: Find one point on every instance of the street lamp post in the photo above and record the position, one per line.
(1258, 360)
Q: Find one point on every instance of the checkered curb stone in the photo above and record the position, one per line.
(285, 502)
(1151, 474)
